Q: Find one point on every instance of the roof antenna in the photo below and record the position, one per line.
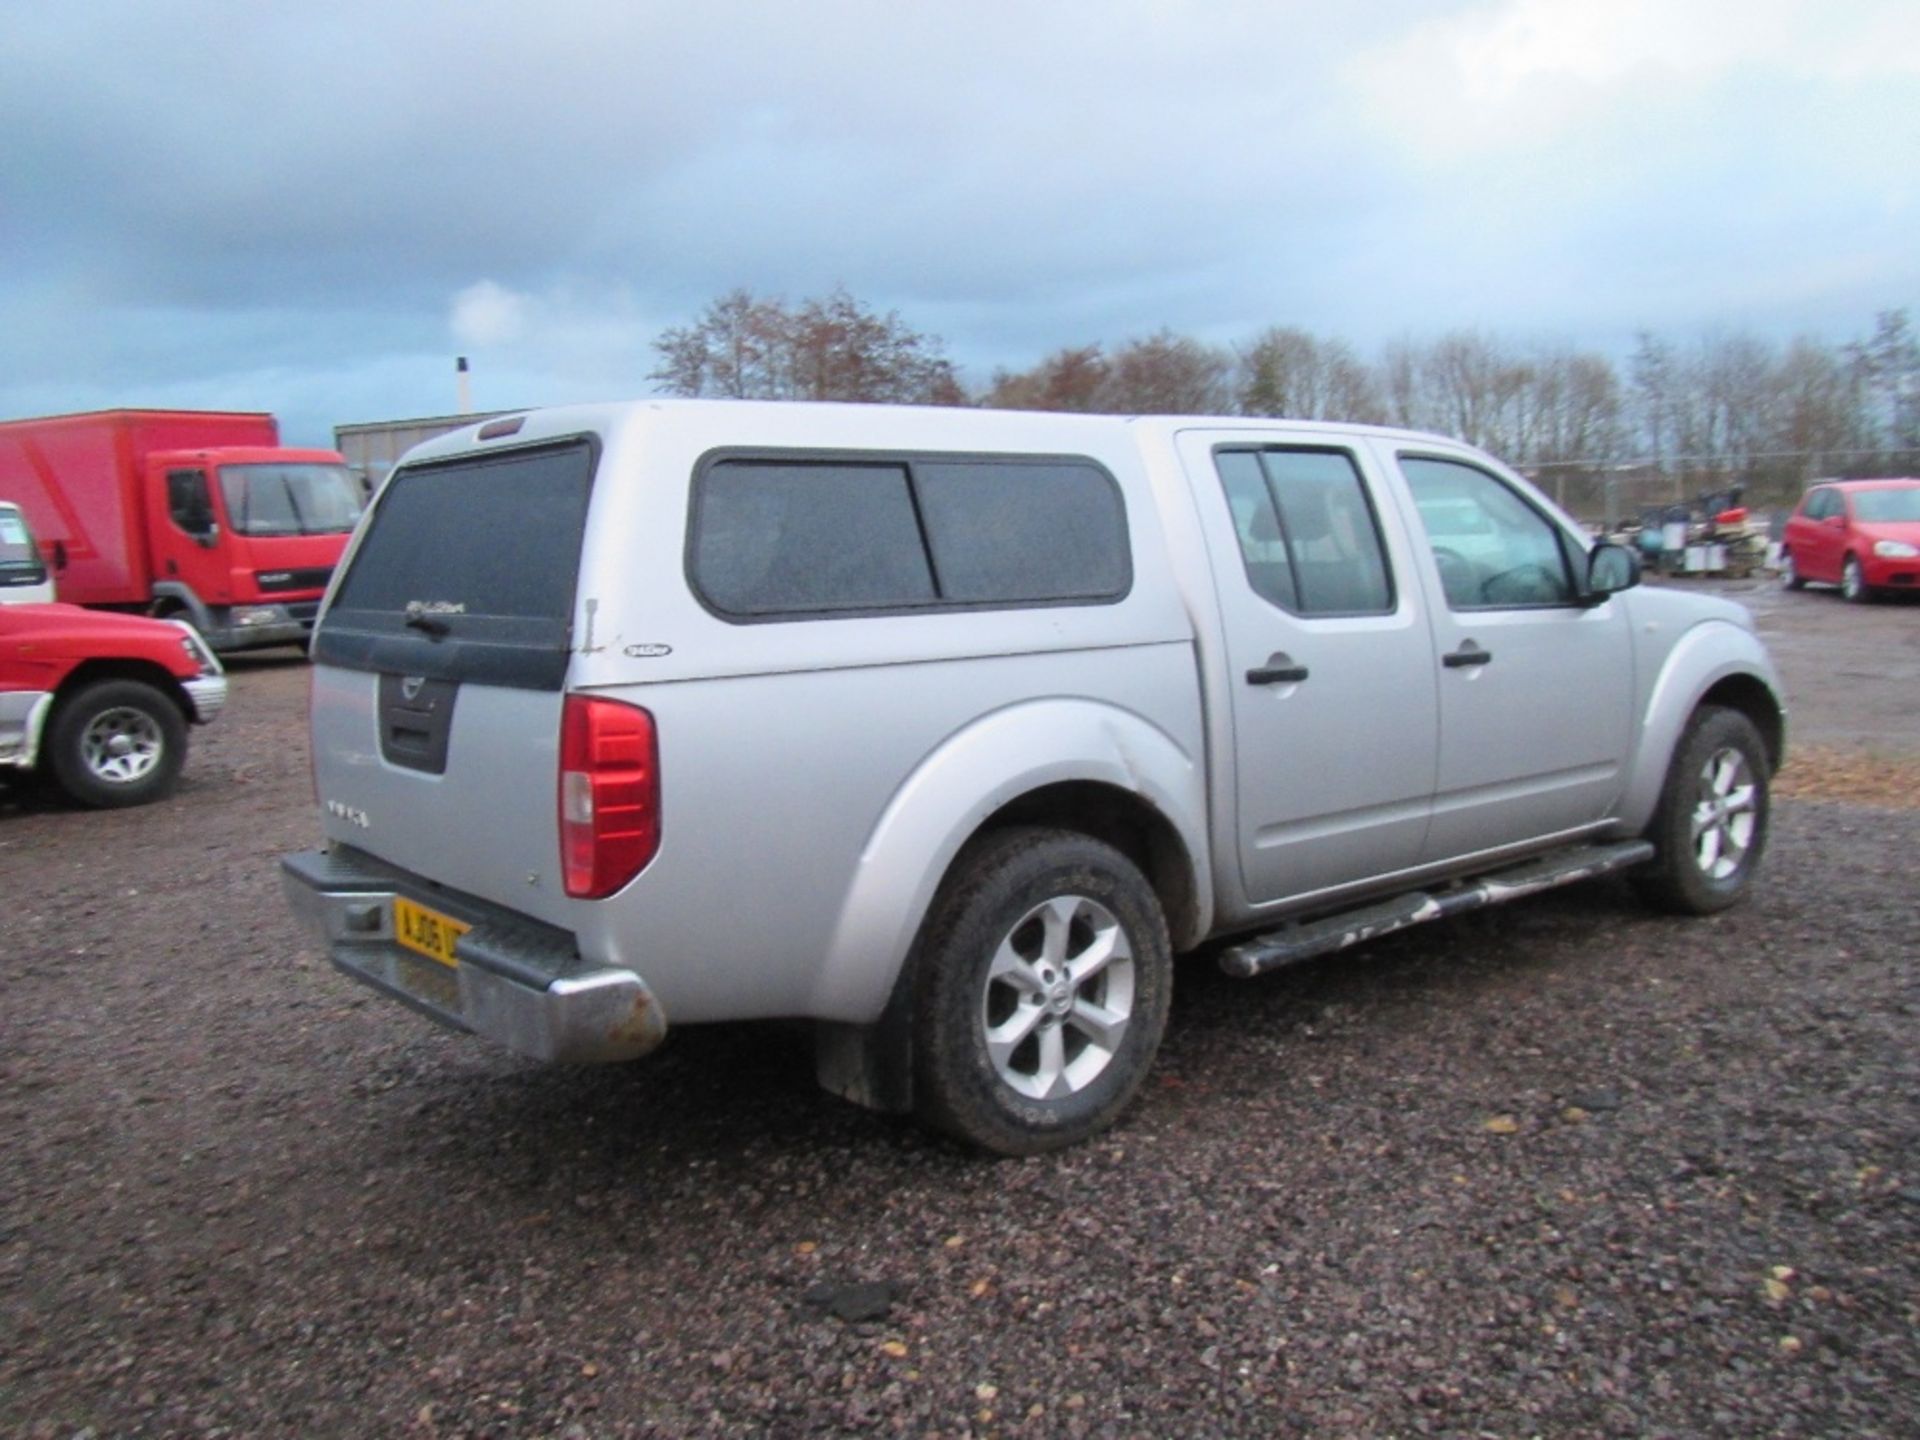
(464, 383)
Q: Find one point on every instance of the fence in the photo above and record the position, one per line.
(1607, 494)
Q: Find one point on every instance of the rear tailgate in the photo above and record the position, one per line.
(440, 665)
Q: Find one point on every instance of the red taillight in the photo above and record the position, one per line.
(609, 794)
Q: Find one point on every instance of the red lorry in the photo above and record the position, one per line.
(194, 515)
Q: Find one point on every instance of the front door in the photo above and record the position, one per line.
(1536, 689)
(1330, 663)
(189, 547)
(1827, 543)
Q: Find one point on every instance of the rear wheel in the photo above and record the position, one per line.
(1853, 581)
(1790, 578)
(116, 742)
(1711, 827)
(1042, 983)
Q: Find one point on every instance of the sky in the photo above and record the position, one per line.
(312, 209)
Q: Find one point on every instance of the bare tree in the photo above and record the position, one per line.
(1167, 374)
(1890, 364)
(1578, 408)
(738, 349)
(832, 348)
(1287, 371)
(1656, 397)
(1821, 417)
(1725, 406)
(1070, 379)
(1399, 382)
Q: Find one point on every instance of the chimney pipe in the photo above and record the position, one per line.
(465, 385)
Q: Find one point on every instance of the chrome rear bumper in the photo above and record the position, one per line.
(516, 982)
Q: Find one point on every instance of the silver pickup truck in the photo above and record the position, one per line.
(946, 730)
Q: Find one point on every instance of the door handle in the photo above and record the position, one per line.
(1279, 670)
(1468, 654)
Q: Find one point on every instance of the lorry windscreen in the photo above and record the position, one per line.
(466, 570)
(290, 499)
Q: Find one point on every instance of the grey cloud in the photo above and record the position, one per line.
(301, 214)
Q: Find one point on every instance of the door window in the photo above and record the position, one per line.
(187, 501)
(1307, 531)
(1493, 550)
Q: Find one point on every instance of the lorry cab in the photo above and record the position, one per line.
(24, 577)
(194, 515)
(244, 538)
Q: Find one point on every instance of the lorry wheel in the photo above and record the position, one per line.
(1042, 980)
(1789, 572)
(117, 742)
(1711, 827)
(1853, 583)
(179, 614)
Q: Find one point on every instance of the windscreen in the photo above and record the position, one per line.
(1887, 507)
(20, 562)
(290, 499)
(467, 570)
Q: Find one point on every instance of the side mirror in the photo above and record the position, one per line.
(1611, 568)
(59, 554)
(207, 538)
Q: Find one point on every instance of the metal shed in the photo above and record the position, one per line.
(374, 447)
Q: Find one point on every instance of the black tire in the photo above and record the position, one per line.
(1045, 897)
(178, 614)
(116, 742)
(1790, 577)
(1853, 581)
(1718, 775)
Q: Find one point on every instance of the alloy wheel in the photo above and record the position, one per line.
(1725, 814)
(121, 745)
(1058, 998)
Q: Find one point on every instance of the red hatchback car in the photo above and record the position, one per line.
(1862, 535)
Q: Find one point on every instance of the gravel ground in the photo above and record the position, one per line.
(1563, 1169)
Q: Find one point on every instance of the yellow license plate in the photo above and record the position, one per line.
(426, 932)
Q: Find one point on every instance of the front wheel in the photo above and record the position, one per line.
(1043, 977)
(116, 742)
(1711, 827)
(1790, 578)
(1853, 581)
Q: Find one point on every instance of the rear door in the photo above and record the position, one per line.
(440, 665)
(1819, 535)
(1330, 663)
(1535, 688)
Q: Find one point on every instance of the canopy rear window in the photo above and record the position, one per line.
(466, 570)
(798, 535)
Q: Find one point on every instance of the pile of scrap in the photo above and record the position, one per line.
(1714, 535)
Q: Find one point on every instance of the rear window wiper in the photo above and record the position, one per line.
(431, 617)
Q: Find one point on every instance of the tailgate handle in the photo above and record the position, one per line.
(416, 721)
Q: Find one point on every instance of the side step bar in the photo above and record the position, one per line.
(1294, 943)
